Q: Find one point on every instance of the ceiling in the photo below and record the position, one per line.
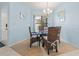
(42, 5)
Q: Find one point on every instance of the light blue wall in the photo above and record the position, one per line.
(0, 26)
(18, 28)
(70, 27)
(51, 20)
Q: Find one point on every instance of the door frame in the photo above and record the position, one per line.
(4, 24)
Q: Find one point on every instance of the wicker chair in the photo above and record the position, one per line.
(50, 41)
(33, 38)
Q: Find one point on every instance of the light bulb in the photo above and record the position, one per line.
(44, 11)
(48, 9)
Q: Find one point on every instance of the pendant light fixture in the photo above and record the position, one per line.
(47, 10)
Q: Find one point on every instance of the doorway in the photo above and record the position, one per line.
(4, 24)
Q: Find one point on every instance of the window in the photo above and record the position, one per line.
(40, 23)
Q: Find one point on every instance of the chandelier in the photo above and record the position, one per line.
(47, 10)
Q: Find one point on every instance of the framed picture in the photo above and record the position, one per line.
(61, 16)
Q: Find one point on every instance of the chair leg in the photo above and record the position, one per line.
(48, 51)
(59, 40)
(52, 47)
(42, 44)
(56, 50)
(30, 44)
(39, 43)
(56, 47)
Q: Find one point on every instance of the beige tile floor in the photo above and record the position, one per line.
(7, 51)
(24, 49)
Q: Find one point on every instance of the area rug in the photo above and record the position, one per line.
(24, 49)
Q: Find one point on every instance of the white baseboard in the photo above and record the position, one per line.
(70, 43)
(18, 42)
(64, 40)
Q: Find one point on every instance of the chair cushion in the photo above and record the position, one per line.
(45, 37)
(34, 36)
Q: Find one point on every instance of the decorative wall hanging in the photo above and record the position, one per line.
(61, 15)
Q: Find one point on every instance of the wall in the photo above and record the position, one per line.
(18, 27)
(70, 27)
(0, 26)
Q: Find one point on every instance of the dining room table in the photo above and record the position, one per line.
(42, 35)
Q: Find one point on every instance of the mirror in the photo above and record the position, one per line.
(40, 22)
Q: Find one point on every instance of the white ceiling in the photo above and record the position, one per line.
(42, 5)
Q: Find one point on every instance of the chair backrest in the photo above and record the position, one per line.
(30, 32)
(53, 33)
(59, 29)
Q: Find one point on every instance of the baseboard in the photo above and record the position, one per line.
(63, 40)
(17, 42)
(70, 43)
